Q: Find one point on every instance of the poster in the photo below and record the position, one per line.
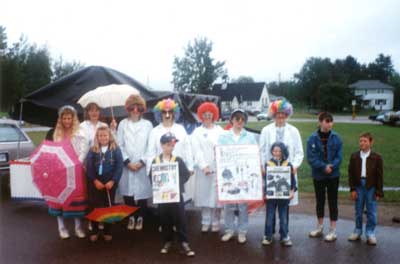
(165, 179)
(238, 173)
(278, 182)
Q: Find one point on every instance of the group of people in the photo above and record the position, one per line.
(118, 159)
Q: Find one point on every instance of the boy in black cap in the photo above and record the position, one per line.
(173, 214)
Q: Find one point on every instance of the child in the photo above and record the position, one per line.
(279, 158)
(104, 169)
(324, 154)
(173, 214)
(366, 186)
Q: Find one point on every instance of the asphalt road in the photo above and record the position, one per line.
(29, 235)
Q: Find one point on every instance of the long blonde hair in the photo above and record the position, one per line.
(59, 130)
(112, 144)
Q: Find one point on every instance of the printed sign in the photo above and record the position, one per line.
(165, 179)
(278, 182)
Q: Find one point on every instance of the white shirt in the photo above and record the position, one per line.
(364, 156)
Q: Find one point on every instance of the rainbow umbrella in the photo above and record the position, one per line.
(111, 214)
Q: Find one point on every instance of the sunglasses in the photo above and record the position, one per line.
(239, 118)
(135, 108)
(167, 112)
(208, 115)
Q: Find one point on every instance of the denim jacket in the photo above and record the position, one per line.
(315, 155)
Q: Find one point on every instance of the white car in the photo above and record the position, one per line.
(263, 116)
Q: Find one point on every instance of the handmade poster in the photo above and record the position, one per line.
(165, 178)
(278, 182)
(238, 173)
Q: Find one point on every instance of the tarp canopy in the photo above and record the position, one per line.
(40, 107)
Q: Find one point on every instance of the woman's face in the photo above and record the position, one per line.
(207, 117)
(135, 111)
(103, 137)
(238, 121)
(67, 120)
(94, 114)
(280, 118)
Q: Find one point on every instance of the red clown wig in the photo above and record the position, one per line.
(208, 107)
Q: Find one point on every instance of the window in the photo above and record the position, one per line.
(380, 101)
(365, 91)
(248, 103)
(11, 133)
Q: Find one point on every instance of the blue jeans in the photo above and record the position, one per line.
(229, 217)
(283, 208)
(365, 197)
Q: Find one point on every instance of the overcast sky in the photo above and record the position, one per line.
(255, 38)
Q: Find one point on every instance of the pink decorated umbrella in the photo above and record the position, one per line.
(57, 172)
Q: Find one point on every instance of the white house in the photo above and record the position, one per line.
(374, 94)
(248, 96)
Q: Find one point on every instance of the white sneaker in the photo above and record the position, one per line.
(90, 226)
(204, 228)
(101, 226)
(166, 248)
(64, 234)
(139, 224)
(354, 237)
(371, 240)
(215, 228)
(287, 242)
(131, 223)
(227, 236)
(317, 232)
(331, 236)
(266, 241)
(242, 238)
(79, 232)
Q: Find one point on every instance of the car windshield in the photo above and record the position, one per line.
(10, 133)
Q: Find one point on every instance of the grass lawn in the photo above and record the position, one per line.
(387, 142)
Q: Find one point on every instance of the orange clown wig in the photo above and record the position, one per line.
(208, 107)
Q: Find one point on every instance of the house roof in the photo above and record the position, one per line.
(370, 84)
(242, 91)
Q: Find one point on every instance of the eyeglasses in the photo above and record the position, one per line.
(207, 115)
(239, 118)
(167, 112)
(135, 108)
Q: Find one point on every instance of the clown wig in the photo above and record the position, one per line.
(208, 107)
(166, 105)
(280, 106)
(135, 99)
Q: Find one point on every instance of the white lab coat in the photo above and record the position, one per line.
(204, 141)
(133, 140)
(291, 139)
(183, 149)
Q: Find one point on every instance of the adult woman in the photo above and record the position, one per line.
(281, 131)
(133, 134)
(67, 128)
(204, 139)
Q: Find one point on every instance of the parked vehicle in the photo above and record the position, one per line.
(263, 116)
(14, 143)
(225, 115)
(380, 115)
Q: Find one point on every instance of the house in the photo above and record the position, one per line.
(374, 94)
(248, 96)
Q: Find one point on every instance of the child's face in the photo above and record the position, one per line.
(365, 144)
(103, 137)
(277, 153)
(66, 121)
(238, 121)
(168, 147)
(326, 125)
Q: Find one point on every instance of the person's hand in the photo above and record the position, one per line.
(263, 171)
(291, 195)
(353, 195)
(191, 173)
(135, 166)
(113, 125)
(109, 185)
(377, 197)
(206, 171)
(99, 186)
(328, 169)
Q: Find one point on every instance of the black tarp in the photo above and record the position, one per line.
(40, 107)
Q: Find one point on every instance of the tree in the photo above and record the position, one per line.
(61, 68)
(334, 96)
(243, 79)
(381, 69)
(196, 71)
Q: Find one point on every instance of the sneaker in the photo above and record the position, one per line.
(371, 240)
(107, 237)
(101, 226)
(166, 248)
(94, 237)
(187, 250)
(331, 236)
(317, 232)
(227, 236)
(131, 223)
(160, 229)
(139, 224)
(64, 234)
(204, 228)
(354, 237)
(242, 238)
(266, 241)
(286, 242)
(79, 233)
(215, 228)
(90, 226)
